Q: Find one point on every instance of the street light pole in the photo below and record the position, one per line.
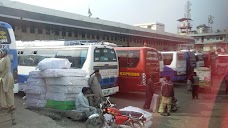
(226, 40)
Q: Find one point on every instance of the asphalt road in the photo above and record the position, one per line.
(208, 112)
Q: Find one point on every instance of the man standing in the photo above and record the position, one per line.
(94, 83)
(6, 81)
(167, 93)
(149, 92)
(82, 103)
(195, 87)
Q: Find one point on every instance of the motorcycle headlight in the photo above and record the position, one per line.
(101, 105)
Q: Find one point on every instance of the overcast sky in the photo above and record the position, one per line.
(144, 11)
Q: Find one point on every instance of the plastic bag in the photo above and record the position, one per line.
(36, 89)
(61, 96)
(54, 63)
(30, 96)
(36, 82)
(35, 74)
(63, 73)
(65, 89)
(36, 103)
(65, 81)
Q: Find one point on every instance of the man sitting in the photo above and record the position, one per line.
(82, 103)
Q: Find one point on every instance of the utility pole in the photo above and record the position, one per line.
(226, 40)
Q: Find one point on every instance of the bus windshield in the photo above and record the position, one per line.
(104, 55)
(4, 36)
(128, 59)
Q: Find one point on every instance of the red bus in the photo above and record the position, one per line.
(136, 64)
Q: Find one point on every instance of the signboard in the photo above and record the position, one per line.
(4, 38)
(204, 74)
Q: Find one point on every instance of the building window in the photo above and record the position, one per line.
(40, 31)
(75, 34)
(217, 38)
(103, 37)
(115, 38)
(47, 32)
(88, 36)
(57, 33)
(97, 37)
(83, 35)
(69, 34)
(32, 30)
(63, 33)
(221, 38)
(130, 39)
(123, 39)
(24, 29)
(107, 37)
(202, 39)
(93, 36)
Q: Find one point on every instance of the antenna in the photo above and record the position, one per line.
(188, 10)
(210, 21)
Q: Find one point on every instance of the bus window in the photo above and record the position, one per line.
(122, 57)
(167, 58)
(192, 56)
(104, 55)
(133, 58)
(180, 56)
(4, 36)
(76, 57)
(199, 58)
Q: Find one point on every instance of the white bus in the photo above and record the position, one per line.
(85, 57)
(7, 40)
(174, 65)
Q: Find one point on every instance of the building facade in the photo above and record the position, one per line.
(36, 23)
(217, 42)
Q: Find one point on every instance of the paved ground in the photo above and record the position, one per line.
(209, 111)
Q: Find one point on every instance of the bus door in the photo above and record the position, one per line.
(199, 60)
(153, 66)
(192, 63)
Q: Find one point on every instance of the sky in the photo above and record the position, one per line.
(144, 11)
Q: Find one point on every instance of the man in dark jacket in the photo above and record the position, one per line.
(195, 87)
(167, 93)
(149, 92)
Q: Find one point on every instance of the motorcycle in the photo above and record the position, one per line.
(110, 117)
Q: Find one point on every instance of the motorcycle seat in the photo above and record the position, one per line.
(132, 114)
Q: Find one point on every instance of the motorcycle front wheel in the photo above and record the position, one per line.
(96, 122)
